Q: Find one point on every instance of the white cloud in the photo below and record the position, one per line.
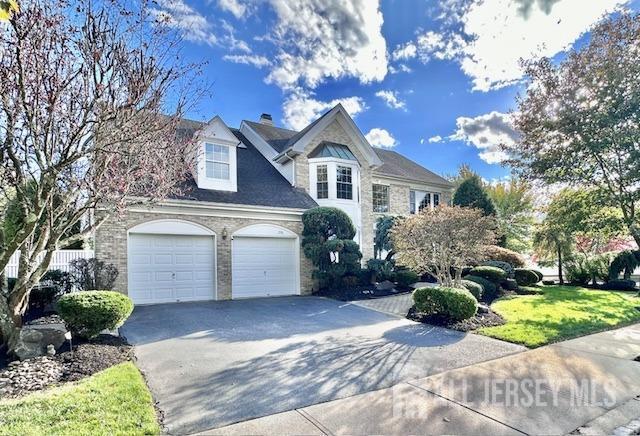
(182, 17)
(318, 40)
(300, 110)
(486, 132)
(401, 68)
(404, 52)
(255, 60)
(236, 7)
(391, 99)
(435, 139)
(488, 38)
(380, 138)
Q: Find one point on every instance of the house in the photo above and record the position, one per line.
(234, 231)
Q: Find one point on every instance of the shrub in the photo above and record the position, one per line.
(509, 284)
(528, 290)
(365, 277)
(493, 252)
(578, 270)
(381, 269)
(548, 282)
(406, 278)
(451, 303)
(350, 281)
(489, 272)
(88, 313)
(476, 289)
(489, 289)
(539, 274)
(526, 277)
(466, 270)
(61, 279)
(505, 266)
(88, 274)
(619, 285)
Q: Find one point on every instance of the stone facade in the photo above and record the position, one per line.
(111, 244)
(334, 132)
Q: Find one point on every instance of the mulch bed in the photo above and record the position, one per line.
(487, 319)
(360, 293)
(22, 377)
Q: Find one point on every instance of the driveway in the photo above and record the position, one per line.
(215, 363)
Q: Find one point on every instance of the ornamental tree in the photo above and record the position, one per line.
(442, 241)
(579, 121)
(85, 91)
(471, 193)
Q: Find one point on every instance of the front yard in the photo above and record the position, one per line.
(561, 312)
(114, 401)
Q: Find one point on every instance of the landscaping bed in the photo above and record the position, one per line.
(481, 319)
(87, 358)
(560, 313)
(360, 293)
(113, 401)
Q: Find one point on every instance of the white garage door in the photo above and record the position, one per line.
(263, 267)
(168, 268)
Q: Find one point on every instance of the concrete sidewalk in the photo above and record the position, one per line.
(591, 383)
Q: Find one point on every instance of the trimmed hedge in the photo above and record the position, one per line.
(476, 289)
(87, 313)
(492, 273)
(489, 289)
(406, 278)
(619, 285)
(452, 303)
(539, 274)
(505, 266)
(509, 284)
(526, 277)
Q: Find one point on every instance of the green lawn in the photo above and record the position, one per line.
(113, 402)
(560, 313)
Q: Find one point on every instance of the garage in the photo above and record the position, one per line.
(171, 261)
(265, 262)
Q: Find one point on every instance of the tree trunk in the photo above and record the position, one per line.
(560, 278)
(9, 325)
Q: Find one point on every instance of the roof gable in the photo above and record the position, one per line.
(216, 129)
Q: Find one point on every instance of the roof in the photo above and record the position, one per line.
(277, 137)
(396, 165)
(332, 149)
(259, 183)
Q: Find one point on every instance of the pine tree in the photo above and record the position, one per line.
(470, 193)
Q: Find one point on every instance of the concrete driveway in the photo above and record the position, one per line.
(216, 363)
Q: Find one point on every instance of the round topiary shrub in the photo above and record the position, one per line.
(526, 277)
(620, 285)
(476, 289)
(492, 273)
(451, 303)
(494, 252)
(505, 266)
(539, 274)
(88, 313)
(489, 289)
(406, 278)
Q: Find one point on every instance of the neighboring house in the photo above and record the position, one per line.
(235, 230)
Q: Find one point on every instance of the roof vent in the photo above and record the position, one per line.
(266, 119)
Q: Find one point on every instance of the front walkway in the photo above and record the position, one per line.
(590, 382)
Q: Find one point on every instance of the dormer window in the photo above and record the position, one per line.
(217, 161)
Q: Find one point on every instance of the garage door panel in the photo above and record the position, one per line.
(264, 267)
(169, 268)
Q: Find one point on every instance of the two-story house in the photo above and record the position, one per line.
(235, 230)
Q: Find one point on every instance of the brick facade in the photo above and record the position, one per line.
(111, 244)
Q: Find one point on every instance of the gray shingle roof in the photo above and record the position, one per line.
(276, 137)
(396, 165)
(259, 183)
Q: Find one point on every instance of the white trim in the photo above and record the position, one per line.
(183, 225)
(267, 151)
(267, 231)
(171, 227)
(411, 183)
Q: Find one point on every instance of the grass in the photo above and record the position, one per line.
(561, 312)
(115, 401)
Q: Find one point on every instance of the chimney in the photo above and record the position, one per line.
(266, 119)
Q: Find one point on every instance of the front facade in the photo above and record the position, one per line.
(235, 230)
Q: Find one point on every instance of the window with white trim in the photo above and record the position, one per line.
(322, 182)
(217, 161)
(418, 200)
(380, 198)
(344, 183)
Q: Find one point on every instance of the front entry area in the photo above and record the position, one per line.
(265, 261)
(171, 261)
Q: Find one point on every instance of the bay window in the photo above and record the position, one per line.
(344, 184)
(322, 182)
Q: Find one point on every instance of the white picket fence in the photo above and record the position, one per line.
(61, 260)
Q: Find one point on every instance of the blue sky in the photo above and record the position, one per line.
(432, 80)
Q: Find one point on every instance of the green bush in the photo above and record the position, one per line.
(489, 289)
(350, 281)
(489, 272)
(406, 278)
(494, 252)
(476, 289)
(505, 266)
(382, 269)
(539, 274)
(528, 290)
(548, 282)
(620, 285)
(526, 277)
(451, 303)
(509, 284)
(88, 313)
